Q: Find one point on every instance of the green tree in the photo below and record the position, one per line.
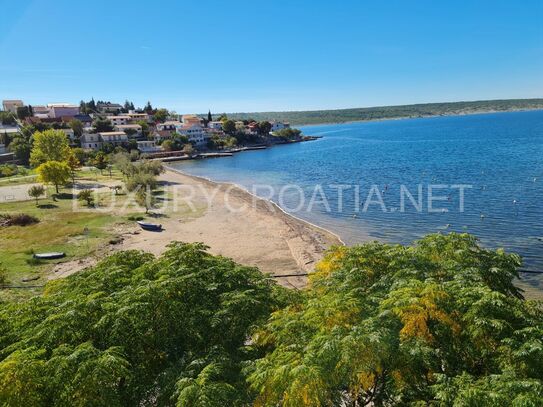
(23, 112)
(209, 116)
(144, 127)
(135, 330)
(7, 118)
(54, 172)
(145, 198)
(437, 323)
(229, 126)
(74, 164)
(35, 191)
(49, 145)
(100, 161)
(148, 108)
(161, 115)
(102, 125)
(87, 196)
(21, 148)
(264, 128)
(77, 127)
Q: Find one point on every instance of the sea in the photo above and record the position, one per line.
(398, 180)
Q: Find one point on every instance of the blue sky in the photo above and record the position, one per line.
(270, 55)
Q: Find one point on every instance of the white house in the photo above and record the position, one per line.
(119, 120)
(137, 116)
(58, 110)
(279, 126)
(215, 125)
(113, 137)
(108, 107)
(90, 141)
(148, 146)
(195, 133)
(12, 105)
(132, 130)
(168, 125)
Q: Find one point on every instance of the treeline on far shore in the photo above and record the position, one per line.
(393, 112)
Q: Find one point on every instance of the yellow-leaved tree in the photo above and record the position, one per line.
(49, 145)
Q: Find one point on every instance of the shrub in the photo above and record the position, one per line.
(8, 170)
(20, 219)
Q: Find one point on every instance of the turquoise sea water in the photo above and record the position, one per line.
(497, 157)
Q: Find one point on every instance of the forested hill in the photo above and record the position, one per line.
(393, 112)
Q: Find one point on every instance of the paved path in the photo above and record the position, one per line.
(15, 193)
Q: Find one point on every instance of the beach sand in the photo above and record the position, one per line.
(260, 235)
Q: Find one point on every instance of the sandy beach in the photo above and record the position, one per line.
(260, 235)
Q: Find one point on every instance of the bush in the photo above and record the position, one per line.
(20, 219)
(8, 170)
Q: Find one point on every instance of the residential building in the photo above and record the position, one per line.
(40, 111)
(131, 130)
(148, 146)
(90, 141)
(12, 105)
(161, 135)
(119, 120)
(215, 125)
(279, 126)
(58, 110)
(83, 118)
(253, 128)
(195, 133)
(134, 116)
(191, 119)
(113, 137)
(168, 125)
(108, 107)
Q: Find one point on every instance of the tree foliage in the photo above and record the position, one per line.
(54, 172)
(135, 330)
(49, 145)
(438, 323)
(35, 191)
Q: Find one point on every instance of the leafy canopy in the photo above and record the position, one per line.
(49, 145)
(440, 322)
(135, 330)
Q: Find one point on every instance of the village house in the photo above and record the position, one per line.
(148, 146)
(195, 133)
(113, 137)
(215, 125)
(12, 105)
(90, 141)
(160, 135)
(108, 107)
(85, 119)
(168, 125)
(59, 110)
(275, 126)
(119, 120)
(40, 111)
(191, 119)
(137, 116)
(131, 130)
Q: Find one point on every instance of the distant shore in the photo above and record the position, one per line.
(419, 117)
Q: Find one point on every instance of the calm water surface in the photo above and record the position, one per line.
(500, 156)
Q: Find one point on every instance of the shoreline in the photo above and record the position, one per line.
(262, 235)
(269, 201)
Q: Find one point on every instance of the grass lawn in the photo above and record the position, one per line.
(60, 229)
